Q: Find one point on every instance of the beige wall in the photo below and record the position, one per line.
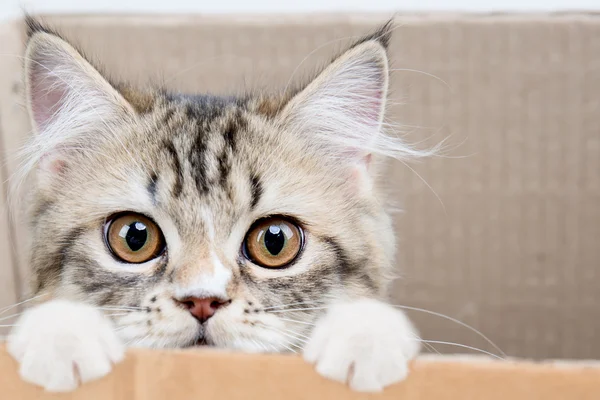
(9, 63)
(8, 280)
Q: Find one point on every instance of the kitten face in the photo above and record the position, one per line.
(203, 170)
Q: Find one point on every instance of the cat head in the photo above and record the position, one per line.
(231, 221)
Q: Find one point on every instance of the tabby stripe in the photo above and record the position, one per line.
(151, 187)
(51, 270)
(168, 115)
(230, 133)
(178, 185)
(346, 268)
(256, 190)
(198, 162)
(42, 209)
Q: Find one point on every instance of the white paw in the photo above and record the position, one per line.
(60, 344)
(365, 343)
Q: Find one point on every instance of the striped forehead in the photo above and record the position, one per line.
(199, 151)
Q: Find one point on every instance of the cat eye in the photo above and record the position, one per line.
(134, 238)
(273, 242)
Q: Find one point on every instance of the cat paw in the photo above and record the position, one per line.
(61, 344)
(365, 343)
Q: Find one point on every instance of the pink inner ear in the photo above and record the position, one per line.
(372, 107)
(46, 97)
(368, 106)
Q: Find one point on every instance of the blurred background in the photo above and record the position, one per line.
(502, 233)
(12, 7)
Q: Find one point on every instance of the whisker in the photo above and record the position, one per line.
(264, 346)
(430, 347)
(123, 306)
(424, 73)
(130, 342)
(426, 184)
(299, 309)
(10, 316)
(481, 335)
(135, 342)
(296, 321)
(426, 345)
(261, 345)
(301, 348)
(463, 346)
(287, 305)
(289, 348)
(5, 309)
(290, 335)
(142, 339)
(297, 333)
(119, 310)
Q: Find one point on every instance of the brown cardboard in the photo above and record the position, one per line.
(208, 374)
(513, 250)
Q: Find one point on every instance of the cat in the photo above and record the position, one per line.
(169, 220)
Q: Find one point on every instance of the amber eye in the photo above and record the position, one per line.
(273, 242)
(134, 238)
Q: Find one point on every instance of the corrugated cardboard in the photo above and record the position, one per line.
(154, 375)
(504, 234)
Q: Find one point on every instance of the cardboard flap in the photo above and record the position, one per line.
(210, 374)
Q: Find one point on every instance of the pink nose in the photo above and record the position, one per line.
(202, 308)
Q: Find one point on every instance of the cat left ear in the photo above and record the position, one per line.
(62, 86)
(343, 108)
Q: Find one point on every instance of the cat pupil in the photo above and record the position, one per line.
(274, 240)
(137, 235)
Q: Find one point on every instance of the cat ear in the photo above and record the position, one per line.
(61, 84)
(70, 103)
(343, 108)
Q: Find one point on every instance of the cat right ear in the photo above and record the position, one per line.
(341, 111)
(63, 89)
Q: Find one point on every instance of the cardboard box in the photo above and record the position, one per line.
(502, 236)
(153, 375)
